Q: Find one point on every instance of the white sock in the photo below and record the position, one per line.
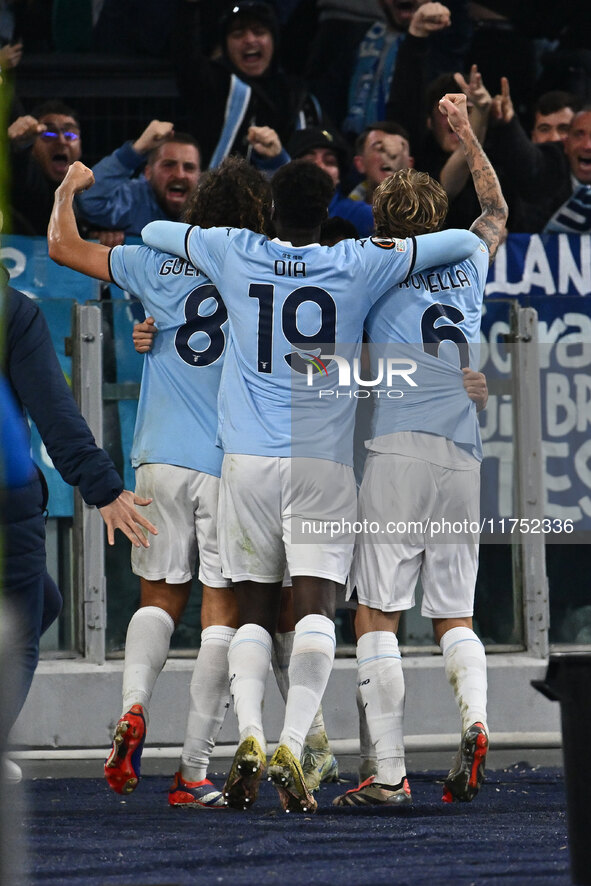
(248, 659)
(282, 649)
(381, 685)
(309, 670)
(209, 701)
(146, 650)
(282, 646)
(465, 669)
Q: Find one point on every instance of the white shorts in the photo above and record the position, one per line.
(285, 512)
(407, 500)
(184, 510)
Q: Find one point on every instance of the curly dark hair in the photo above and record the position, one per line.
(301, 194)
(408, 203)
(234, 195)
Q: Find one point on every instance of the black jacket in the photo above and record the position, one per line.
(277, 99)
(540, 174)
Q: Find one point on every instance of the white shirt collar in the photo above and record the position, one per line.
(291, 246)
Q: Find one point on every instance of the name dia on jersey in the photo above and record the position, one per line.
(289, 268)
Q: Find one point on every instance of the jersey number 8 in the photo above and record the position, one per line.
(210, 324)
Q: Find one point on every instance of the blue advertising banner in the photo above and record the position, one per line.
(564, 328)
(541, 264)
(33, 272)
(551, 273)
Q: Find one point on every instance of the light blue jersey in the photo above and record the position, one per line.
(431, 323)
(288, 306)
(177, 411)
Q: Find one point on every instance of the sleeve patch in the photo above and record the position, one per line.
(389, 243)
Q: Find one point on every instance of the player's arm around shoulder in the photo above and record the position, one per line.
(204, 248)
(389, 261)
(167, 236)
(383, 262)
(444, 248)
(490, 225)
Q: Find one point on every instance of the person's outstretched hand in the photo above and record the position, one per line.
(121, 514)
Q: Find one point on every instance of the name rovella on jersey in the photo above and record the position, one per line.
(437, 281)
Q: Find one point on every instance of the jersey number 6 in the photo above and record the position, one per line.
(433, 334)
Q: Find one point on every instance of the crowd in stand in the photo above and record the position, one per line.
(350, 86)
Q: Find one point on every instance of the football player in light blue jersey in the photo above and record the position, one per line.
(175, 456)
(440, 310)
(423, 469)
(287, 454)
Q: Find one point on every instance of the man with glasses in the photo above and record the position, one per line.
(43, 145)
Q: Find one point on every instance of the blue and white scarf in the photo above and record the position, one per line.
(371, 78)
(574, 216)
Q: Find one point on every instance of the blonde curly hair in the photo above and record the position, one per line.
(408, 203)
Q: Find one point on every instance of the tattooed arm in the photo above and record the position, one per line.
(490, 224)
